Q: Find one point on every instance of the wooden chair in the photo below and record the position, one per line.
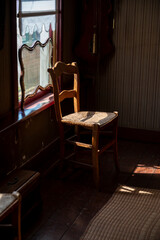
(10, 205)
(96, 122)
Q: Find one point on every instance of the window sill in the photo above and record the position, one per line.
(30, 110)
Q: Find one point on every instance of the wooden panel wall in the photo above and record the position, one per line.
(5, 65)
(130, 81)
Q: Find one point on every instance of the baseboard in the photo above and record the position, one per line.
(139, 135)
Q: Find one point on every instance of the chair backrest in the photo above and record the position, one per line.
(56, 72)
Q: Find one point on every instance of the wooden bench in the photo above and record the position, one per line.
(27, 183)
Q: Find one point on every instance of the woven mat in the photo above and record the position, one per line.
(130, 214)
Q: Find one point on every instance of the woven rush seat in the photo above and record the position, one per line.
(6, 199)
(89, 118)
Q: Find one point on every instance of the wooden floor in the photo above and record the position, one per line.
(70, 200)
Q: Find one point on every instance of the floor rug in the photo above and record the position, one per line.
(130, 214)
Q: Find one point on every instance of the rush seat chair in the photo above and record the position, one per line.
(10, 205)
(99, 124)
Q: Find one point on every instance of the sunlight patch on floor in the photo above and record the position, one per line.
(127, 189)
(143, 169)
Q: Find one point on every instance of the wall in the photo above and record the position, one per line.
(5, 63)
(68, 30)
(27, 140)
(129, 81)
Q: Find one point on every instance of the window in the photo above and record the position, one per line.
(37, 20)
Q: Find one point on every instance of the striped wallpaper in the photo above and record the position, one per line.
(130, 81)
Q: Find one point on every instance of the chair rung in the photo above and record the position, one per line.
(103, 147)
(106, 146)
(80, 144)
(81, 163)
(6, 225)
(69, 156)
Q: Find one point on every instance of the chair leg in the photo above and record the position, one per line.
(95, 160)
(19, 220)
(76, 130)
(115, 147)
(16, 217)
(115, 152)
(62, 148)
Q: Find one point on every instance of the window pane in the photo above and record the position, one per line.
(38, 5)
(32, 24)
(36, 63)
